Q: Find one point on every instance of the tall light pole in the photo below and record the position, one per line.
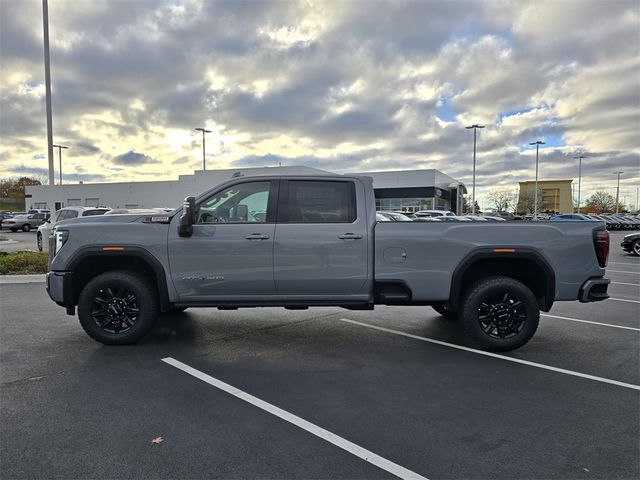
(473, 191)
(200, 129)
(60, 147)
(537, 143)
(617, 190)
(579, 157)
(47, 84)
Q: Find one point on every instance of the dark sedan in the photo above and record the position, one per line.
(631, 243)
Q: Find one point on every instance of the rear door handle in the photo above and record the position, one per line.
(350, 236)
(257, 236)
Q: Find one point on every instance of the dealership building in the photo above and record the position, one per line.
(405, 190)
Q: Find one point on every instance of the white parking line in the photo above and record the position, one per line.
(630, 284)
(589, 321)
(624, 300)
(619, 271)
(495, 355)
(320, 432)
(623, 263)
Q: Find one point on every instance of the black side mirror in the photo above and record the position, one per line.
(185, 227)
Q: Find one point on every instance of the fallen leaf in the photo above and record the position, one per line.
(157, 440)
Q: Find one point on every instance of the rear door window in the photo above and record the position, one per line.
(317, 201)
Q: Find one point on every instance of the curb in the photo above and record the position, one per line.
(9, 279)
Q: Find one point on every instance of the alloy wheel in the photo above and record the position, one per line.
(502, 315)
(115, 309)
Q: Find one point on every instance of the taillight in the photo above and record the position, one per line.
(601, 244)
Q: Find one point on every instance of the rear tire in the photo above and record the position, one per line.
(500, 313)
(39, 239)
(444, 310)
(118, 307)
(26, 227)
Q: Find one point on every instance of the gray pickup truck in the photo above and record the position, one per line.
(302, 241)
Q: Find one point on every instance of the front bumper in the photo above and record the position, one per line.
(60, 288)
(594, 290)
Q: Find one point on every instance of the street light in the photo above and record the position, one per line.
(579, 157)
(47, 85)
(200, 129)
(617, 190)
(537, 143)
(60, 147)
(473, 191)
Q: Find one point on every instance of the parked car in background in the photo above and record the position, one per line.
(454, 218)
(474, 218)
(382, 218)
(435, 213)
(5, 216)
(395, 216)
(571, 217)
(24, 222)
(65, 213)
(427, 219)
(491, 218)
(631, 243)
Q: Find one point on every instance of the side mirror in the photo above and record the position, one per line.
(185, 227)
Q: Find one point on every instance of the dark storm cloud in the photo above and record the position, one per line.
(132, 158)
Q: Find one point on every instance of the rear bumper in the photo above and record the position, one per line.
(594, 290)
(60, 288)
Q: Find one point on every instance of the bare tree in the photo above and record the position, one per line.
(526, 202)
(501, 200)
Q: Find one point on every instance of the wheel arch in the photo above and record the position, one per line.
(92, 261)
(522, 264)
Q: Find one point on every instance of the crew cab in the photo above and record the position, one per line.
(306, 241)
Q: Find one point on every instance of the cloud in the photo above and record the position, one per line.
(132, 158)
(343, 86)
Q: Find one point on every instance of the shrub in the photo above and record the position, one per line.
(23, 263)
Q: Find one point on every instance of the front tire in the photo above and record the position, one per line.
(118, 307)
(39, 239)
(26, 227)
(635, 248)
(500, 313)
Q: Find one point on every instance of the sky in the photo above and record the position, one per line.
(345, 86)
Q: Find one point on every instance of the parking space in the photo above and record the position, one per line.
(321, 394)
(18, 241)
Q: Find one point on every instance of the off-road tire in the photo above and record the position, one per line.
(444, 310)
(499, 313)
(131, 317)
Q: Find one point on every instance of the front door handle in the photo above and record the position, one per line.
(350, 236)
(257, 236)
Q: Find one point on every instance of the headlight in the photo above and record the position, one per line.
(60, 237)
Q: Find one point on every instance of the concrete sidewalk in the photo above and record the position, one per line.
(5, 279)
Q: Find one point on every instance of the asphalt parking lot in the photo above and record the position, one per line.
(18, 241)
(322, 393)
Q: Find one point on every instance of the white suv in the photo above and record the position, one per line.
(434, 213)
(64, 214)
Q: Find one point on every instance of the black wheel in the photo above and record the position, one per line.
(118, 307)
(14, 230)
(26, 227)
(443, 309)
(500, 313)
(39, 239)
(635, 248)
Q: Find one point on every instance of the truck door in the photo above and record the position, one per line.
(321, 238)
(230, 253)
